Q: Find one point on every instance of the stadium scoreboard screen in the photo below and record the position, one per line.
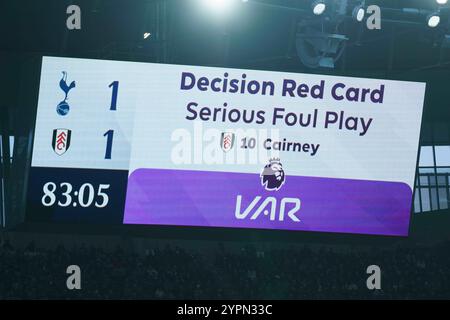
(154, 144)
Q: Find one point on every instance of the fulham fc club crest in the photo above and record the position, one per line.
(227, 141)
(61, 140)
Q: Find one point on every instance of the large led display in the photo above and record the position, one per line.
(155, 144)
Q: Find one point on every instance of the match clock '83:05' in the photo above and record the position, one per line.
(64, 195)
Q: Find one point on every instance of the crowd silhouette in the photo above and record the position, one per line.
(247, 273)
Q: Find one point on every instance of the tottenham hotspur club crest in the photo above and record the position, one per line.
(272, 176)
(63, 107)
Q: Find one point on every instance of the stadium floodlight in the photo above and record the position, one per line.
(318, 7)
(433, 20)
(319, 49)
(147, 34)
(358, 13)
(441, 1)
(218, 5)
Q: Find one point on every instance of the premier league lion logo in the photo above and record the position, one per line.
(272, 176)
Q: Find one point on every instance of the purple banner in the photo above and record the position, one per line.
(237, 200)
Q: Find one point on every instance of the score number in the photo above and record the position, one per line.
(113, 107)
(85, 196)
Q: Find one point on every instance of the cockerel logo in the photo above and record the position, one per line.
(272, 176)
(227, 141)
(61, 140)
(63, 107)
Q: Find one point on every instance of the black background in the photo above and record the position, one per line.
(111, 214)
